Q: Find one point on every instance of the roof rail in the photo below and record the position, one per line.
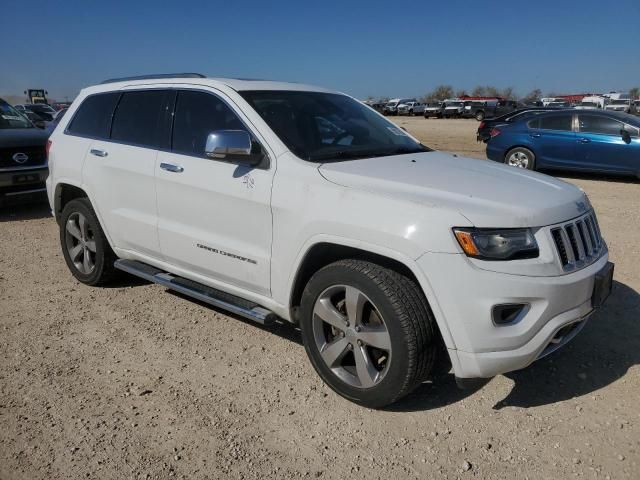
(155, 77)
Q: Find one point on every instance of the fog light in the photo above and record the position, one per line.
(508, 313)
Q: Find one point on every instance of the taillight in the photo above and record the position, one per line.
(481, 125)
(48, 147)
(494, 132)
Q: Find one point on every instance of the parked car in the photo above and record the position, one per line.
(592, 102)
(625, 105)
(481, 109)
(378, 247)
(35, 119)
(410, 108)
(433, 109)
(453, 108)
(391, 108)
(44, 111)
(23, 160)
(584, 140)
(53, 124)
(483, 133)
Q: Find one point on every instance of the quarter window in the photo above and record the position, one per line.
(197, 115)
(144, 118)
(556, 122)
(600, 124)
(93, 118)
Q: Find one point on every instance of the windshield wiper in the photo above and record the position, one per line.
(403, 150)
(343, 155)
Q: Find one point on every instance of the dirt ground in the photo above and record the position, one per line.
(134, 382)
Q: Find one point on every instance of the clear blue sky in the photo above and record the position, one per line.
(380, 48)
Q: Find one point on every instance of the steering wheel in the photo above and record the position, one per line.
(340, 137)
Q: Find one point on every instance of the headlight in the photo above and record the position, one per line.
(491, 244)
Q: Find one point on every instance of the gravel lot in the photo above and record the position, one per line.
(135, 382)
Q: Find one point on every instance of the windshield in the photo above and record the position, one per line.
(455, 104)
(41, 107)
(619, 102)
(322, 127)
(10, 118)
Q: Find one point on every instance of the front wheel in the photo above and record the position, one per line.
(520, 157)
(368, 331)
(480, 116)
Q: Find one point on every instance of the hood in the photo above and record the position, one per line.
(22, 137)
(486, 193)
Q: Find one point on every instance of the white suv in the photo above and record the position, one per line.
(286, 201)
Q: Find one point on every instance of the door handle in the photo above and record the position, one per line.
(170, 167)
(584, 140)
(98, 153)
(535, 135)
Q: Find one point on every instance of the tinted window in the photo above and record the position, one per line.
(599, 124)
(93, 118)
(556, 122)
(197, 115)
(321, 126)
(144, 118)
(633, 131)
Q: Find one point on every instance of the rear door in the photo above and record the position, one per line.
(214, 215)
(600, 145)
(121, 168)
(553, 140)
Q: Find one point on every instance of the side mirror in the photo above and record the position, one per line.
(626, 136)
(232, 145)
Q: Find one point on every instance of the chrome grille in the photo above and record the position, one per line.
(578, 242)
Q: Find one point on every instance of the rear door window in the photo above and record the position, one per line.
(143, 118)
(93, 118)
(556, 122)
(197, 115)
(600, 125)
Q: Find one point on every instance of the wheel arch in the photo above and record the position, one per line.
(324, 252)
(64, 193)
(528, 147)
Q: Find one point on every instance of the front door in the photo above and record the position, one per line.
(553, 140)
(214, 216)
(600, 145)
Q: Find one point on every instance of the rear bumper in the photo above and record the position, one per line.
(557, 308)
(494, 153)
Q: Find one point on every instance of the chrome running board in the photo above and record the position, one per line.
(212, 296)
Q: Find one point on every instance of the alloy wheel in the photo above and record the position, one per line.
(518, 159)
(351, 336)
(80, 243)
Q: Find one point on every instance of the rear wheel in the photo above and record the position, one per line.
(520, 157)
(368, 331)
(84, 245)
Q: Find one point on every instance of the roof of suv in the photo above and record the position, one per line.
(237, 84)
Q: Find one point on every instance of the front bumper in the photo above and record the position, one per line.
(557, 308)
(23, 180)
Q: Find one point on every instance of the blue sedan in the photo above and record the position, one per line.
(584, 140)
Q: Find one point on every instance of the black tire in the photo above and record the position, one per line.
(407, 318)
(531, 158)
(103, 258)
(411, 113)
(480, 116)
